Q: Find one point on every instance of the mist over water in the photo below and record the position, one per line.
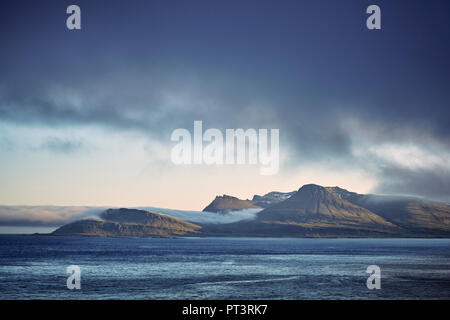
(207, 217)
(45, 216)
(45, 219)
(25, 230)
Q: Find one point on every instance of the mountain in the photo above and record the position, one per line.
(129, 222)
(313, 211)
(316, 211)
(271, 198)
(413, 214)
(226, 203)
(315, 204)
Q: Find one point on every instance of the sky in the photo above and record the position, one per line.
(86, 115)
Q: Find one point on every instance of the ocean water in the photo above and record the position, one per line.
(34, 267)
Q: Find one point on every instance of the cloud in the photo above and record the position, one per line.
(396, 150)
(55, 216)
(412, 157)
(207, 217)
(412, 164)
(59, 145)
(44, 215)
(432, 183)
(360, 105)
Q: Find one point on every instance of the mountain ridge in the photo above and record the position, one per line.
(226, 203)
(129, 222)
(312, 211)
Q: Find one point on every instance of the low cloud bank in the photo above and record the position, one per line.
(207, 217)
(45, 216)
(55, 216)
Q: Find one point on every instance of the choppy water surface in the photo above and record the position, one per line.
(34, 267)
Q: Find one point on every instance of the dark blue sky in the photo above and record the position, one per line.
(338, 91)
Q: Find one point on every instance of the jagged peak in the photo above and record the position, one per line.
(311, 186)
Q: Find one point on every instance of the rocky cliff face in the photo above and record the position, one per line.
(314, 205)
(316, 211)
(129, 222)
(271, 198)
(226, 203)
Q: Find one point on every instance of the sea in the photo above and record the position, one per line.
(36, 267)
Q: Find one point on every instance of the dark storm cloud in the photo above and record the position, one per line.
(433, 183)
(304, 67)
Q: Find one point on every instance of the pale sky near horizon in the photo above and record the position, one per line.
(86, 116)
